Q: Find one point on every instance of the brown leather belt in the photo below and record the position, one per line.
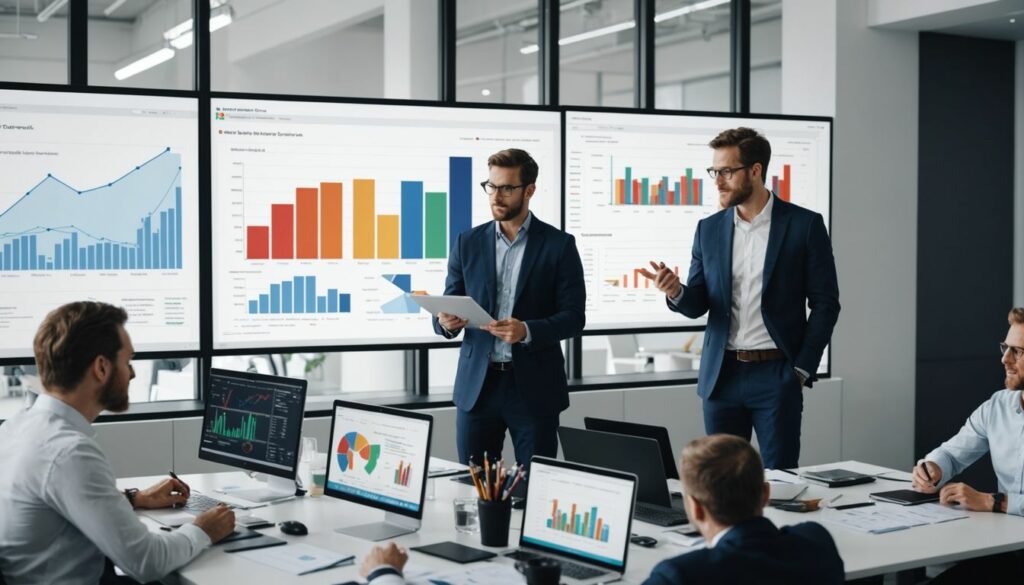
(500, 366)
(756, 355)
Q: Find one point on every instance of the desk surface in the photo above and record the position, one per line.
(863, 554)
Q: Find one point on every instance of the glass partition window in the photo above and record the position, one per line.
(692, 55)
(356, 49)
(328, 373)
(766, 57)
(596, 44)
(642, 353)
(34, 41)
(497, 54)
(146, 43)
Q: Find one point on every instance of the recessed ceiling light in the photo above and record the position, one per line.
(1013, 21)
(485, 92)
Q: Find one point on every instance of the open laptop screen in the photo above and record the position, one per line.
(579, 511)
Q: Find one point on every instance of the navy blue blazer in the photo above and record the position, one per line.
(799, 271)
(550, 298)
(758, 552)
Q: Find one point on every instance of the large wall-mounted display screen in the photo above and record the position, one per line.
(328, 216)
(99, 201)
(636, 186)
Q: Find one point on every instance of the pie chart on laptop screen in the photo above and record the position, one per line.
(353, 446)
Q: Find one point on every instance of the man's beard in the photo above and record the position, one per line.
(740, 196)
(1015, 382)
(113, 397)
(510, 212)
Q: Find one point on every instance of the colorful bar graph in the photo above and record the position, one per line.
(402, 474)
(657, 191)
(781, 187)
(587, 525)
(299, 295)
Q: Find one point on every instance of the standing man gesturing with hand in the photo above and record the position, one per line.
(528, 275)
(757, 266)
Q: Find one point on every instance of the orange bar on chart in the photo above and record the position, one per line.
(363, 220)
(387, 236)
(625, 281)
(330, 220)
(554, 513)
(620, 191)
(306, 223)
(784, 187)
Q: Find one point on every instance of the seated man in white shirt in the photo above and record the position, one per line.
(60, 510)
(995, 427)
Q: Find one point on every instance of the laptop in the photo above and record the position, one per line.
(637, 455)
(580, 515)
(660, 434)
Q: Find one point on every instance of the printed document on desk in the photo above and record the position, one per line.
(298, 559)
(483, 574)
(888, 517)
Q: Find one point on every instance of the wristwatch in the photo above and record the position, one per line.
(130, 494)
(997, 502)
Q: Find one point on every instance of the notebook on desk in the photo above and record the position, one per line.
(836, 477)
(905, 497)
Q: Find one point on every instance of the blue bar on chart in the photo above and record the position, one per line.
(412, 219)
(299, 295)
(460, 196)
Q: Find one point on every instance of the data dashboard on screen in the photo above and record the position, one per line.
(327, 216)
(99, 201)
(637, 185)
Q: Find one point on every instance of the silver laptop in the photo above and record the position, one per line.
(579, 514)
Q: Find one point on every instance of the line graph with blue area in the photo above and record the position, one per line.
(133, 222)
(401, 304)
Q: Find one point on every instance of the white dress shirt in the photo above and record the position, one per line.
(749, 248)
(61, 511)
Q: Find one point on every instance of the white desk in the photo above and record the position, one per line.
(863, 554)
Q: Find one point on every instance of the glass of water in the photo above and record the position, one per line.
(466, 519)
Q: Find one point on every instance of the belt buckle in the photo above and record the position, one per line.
(744, 356)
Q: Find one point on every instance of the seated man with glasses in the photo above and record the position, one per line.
(529, 277)
(995, 427)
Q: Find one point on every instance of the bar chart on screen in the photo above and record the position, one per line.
(108, 215)
(638, 187)
(363, 202)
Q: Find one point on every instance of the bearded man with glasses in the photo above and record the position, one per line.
(529, 277)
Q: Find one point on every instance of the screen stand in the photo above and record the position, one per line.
(277, 488)
(392, 526)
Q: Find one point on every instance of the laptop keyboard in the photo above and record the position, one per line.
(569, 568)
(659, 515)
(198, 503)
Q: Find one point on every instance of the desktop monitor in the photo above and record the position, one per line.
(379, 458)
(659, 434)
(254, 422)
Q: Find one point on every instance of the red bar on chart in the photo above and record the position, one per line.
(282, 225)
(625, 281)
(671, 197)
(257, 242)
(785, 183)
(306, 228)
(684, 191)
(636, 192)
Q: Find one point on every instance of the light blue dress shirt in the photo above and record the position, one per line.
(996, 427)
(508, 261)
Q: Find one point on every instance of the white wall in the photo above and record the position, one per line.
(1018, 199)
(868, 80)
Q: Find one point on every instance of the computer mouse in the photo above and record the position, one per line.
(293, 527)
(645, 541)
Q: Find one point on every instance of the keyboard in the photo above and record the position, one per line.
(569, 568)
(198, 503)
(659, 515)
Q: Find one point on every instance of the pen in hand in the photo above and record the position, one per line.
(924, 468)
(175, 477)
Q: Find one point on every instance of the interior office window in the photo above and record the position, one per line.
(596, 60)
(638, 353)
(145, 43)
(443, 364)
(497, 52)
(692, 55)
(328, 373)
(164, 379)
(379, 49)
(34, 41)
(766, 57)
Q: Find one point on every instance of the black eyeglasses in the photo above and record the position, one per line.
(505, 190)
(1017, 351)
(725, 172)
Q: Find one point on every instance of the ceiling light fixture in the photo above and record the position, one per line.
(113, 7)
(149, 61)
(706, 4)
(181, 35)
(53, 7)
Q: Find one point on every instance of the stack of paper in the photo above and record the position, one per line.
(298, 559)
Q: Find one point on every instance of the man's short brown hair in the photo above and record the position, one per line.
(1016, 316)
(754, 147)
(724, 473)
(514, 158)
(71, 337)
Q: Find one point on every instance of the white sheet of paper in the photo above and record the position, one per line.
(461, 307)
(483, 574)
(296, 559)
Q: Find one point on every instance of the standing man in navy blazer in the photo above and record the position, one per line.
(757, 266)
(527, 275)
